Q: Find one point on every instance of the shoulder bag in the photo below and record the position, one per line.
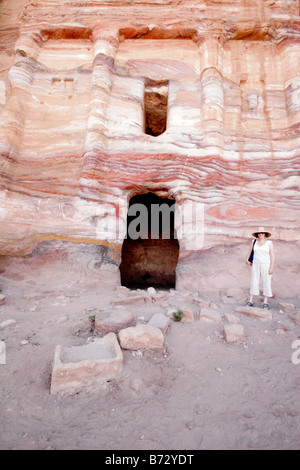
(250, 259)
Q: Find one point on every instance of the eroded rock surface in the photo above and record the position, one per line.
(81, 131)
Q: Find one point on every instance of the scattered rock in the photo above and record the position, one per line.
(256, 312)
(137, 385)
(24, 342)
(295, 318)
(210, 315)
(62, 319)
(8, 324)
(201, 302)
(118, 320)
(131, 300)
(151, 291)
(235, 292)
(286, 307)
(159, 296)
(187, 315)
(2, 299)
(2, 353)
(140, 337)
(279, 326)
(161, 321)
(231, 318)
(228, 300)
(234, 332)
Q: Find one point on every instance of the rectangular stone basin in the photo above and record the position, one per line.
(86, 366)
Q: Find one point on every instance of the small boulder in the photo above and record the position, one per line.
(161, 321)
(118, 320)
(201, 302)
(295, 317)
(231, 318)
(286, 307)
(159, 297)
(210, 315)
(187, 315)
(8, 324)
(2, 353)
(234, 333)
(256, 312)
(140, 337)
(151, 291)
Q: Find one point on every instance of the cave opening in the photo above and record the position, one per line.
(155, 107)
(150, 249)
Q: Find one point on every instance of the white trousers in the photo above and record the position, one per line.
(261, 270)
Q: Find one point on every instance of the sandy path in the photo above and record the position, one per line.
(198, 392)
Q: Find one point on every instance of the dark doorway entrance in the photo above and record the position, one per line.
(150, 251)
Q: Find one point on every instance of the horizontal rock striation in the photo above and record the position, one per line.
(74, 144)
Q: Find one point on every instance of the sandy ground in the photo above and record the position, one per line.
(197, 392)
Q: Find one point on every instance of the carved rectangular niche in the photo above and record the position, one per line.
(67, 49)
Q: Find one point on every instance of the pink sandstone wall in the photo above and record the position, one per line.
(73, 147)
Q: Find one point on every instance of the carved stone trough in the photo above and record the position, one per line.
(86, 367)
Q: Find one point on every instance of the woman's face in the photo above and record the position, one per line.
(261, 235)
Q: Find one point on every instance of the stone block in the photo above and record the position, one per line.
(234, 333)
(256, 312)
(116, 321)
(130, 300)
(210, 315)
(161, 321)
(85, 367)
(141, 337)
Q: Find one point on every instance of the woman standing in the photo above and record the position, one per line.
(262, 265)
